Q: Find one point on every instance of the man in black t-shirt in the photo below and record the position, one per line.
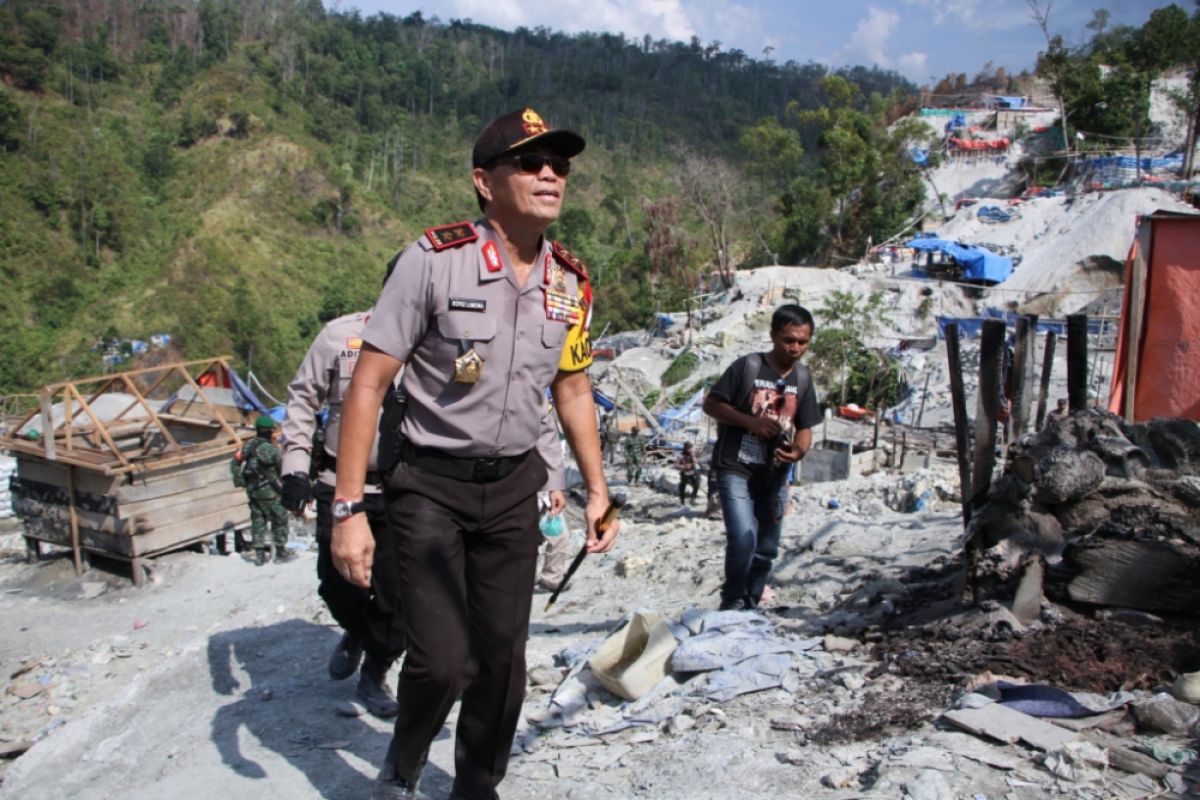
(766, 407)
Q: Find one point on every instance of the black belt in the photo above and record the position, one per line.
(459, 468)
(330, 463)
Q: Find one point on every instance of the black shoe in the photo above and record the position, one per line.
(733, 605)
(260, 557)
(284, 555)
(373, 688)
(346, 657)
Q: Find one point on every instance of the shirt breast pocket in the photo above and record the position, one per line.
(554, 334)
(457, 328)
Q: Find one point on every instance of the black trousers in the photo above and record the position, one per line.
(687, 479)
(467, 553)
(372, 615)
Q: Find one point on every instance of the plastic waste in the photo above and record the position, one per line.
(551, 526)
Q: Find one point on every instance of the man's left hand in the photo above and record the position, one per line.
(787, 454)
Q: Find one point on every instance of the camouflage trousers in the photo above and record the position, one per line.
(266, 511)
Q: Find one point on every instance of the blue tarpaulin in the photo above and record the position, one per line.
(918, 155)
(978, 263)
(1004, 101)
(969, 327)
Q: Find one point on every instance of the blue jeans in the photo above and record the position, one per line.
(753, 510)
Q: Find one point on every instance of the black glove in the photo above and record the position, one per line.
(297, 491)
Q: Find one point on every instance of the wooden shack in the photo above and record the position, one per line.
(130, 465)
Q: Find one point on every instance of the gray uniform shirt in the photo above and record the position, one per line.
(324, 376)
(438, 305)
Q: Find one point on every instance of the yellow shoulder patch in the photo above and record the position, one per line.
(577, 349)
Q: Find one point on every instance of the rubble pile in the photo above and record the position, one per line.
(1112, 509)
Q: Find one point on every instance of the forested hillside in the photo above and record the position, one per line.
(235, 173)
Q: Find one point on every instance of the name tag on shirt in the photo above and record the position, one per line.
(467, 304)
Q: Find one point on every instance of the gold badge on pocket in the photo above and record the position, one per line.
(468, 366)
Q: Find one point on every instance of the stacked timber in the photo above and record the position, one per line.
(135, 515)
(130, 465)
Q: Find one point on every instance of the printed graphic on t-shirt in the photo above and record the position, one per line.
(777, 401)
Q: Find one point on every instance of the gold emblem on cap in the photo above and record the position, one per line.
(534, 124)
(467, 367)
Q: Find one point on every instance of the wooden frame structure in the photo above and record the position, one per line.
(149, 478)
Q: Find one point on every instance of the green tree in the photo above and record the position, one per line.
(839, 356)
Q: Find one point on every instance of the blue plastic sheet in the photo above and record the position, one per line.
(978, 263)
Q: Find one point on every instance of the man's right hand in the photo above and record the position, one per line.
(353, 550)
(296, 493)
(765, 427)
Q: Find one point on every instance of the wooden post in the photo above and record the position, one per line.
(987, 409)
(47, 426)
(924, 394)
(76, 549)
(959, 403)
(1047, 366)
(1022, 373)
(1135, 301)
(1077, 362)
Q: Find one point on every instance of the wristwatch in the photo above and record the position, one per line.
(344, 509)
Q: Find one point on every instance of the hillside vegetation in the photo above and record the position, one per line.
(235, 173)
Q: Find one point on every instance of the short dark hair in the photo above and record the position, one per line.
(792, 314)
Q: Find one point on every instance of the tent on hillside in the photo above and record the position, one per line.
(1157, 369)
(979, 265)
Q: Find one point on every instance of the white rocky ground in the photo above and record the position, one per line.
(210, 681)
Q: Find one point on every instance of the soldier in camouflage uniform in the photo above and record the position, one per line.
(635, 448)
(256, 468)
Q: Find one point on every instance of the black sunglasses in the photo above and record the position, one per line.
(533, 163)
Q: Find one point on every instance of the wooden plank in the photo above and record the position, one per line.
(47, 426)
(170, 537)
(1022, 375)
(210, 491)
(959, 403)
(75, 551)
(1044, 389)
(59, 517)
(60, 496)
(139, 490)
(54, 473)
(1148, 576)
(987, 409)
(99, 425)
(157, 519)
(1006, 725)
(1077, 365)
(1124, 758)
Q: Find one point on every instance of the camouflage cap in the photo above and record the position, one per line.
(519, 128)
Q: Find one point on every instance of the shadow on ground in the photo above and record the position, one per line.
(287, 704)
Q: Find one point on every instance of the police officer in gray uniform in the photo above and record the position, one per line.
(485, 316)
(370, 617)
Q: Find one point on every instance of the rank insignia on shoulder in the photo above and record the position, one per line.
(452, 235)
(569, 260)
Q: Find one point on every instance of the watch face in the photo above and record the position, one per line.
(341, 510)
